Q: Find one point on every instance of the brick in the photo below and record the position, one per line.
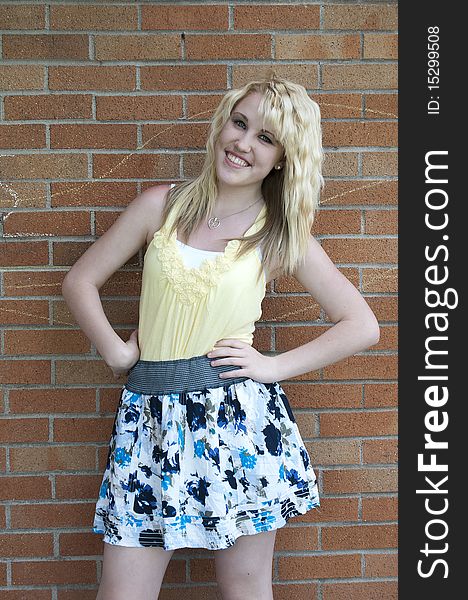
(352, 424)
(380, 451)
(319, 567)
(381, 45)
(385, 308)
(388, 338)
(286, 284)
(44, 166)
(67, 253)
(296, 539)
(93, 136)
(137, 47)
(51, 458)
(193, 164)
(135, 166)
(184, 18)
(26, 544)
(379, 164)
(122, 283)
(85, 17)
(340, 164)
(23, 430)
(23, 16)
(290, 308)
(22, 136)
(337, 452)
(380, 509)
(359, 76)
(33, 283)
(320, 395)
(43, 341)
(22, 253)
(381, 221)
(82, 487)
(364, 192)
(118, 312)
(381, 565)
(78, 594)
(202, 106)
(345, 481)
(23, 594)
(176, 135)
(329, 222)
(356, 250)
(307, 424)
(46, 46)
(190, 77)
(380, 280)
(91, 193)
(317, 46)
(49, 106)
(228, 46)
(334, 509)
(52, 572)
(363, 367)
(109, 400)
(366, 133)
(25, 371)
(359, 16)
(52, 400)
(361, 591)
(92, 78)
(277, 17)
(80, 544)
(262, 339)
(13, 194)
(380, 394)
(381, 106)
(298, 591)
(24, 312)
(82, 429)
(48, 223)
(26, 488)
(83, 372)
(359, 537)
(138, 108)
(306, 75)
(21, 77)
(339, 106)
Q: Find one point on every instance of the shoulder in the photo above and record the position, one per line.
(150, 206)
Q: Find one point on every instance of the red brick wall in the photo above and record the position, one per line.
(100, 101)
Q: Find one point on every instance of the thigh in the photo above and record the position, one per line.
(132, 572)
(248, 562)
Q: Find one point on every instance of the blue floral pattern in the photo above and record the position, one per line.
(199, 469)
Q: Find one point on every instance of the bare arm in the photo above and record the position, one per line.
(356, 327)
(81, 285)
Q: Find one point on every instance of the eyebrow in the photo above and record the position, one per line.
(236, 112)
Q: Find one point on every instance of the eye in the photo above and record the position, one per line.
(239, 122)
(266, 138)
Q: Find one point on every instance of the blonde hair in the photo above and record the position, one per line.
(291, 194)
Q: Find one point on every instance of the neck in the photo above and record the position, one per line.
(229, 201)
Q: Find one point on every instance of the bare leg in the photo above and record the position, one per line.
(135, 573)
(244, 569)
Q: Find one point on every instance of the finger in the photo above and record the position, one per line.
(225, 353)
(227, 361)
(233, 343)
(238, 373)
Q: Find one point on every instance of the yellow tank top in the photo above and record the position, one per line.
(184, 311)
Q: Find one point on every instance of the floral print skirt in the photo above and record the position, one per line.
(199, 469)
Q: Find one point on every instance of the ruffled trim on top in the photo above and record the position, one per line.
(192, 283)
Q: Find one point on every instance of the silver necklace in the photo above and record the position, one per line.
(214, 222)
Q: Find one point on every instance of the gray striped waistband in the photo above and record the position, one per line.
(180, 375)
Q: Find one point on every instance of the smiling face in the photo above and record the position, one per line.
(245, 152)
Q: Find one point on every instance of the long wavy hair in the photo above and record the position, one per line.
(291, 194)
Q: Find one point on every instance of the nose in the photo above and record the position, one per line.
(243, 143)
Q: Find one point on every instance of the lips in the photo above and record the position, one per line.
(235, 160)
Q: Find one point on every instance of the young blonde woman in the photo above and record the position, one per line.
(205, 451)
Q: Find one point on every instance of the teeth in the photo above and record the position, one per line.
(237, 161)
